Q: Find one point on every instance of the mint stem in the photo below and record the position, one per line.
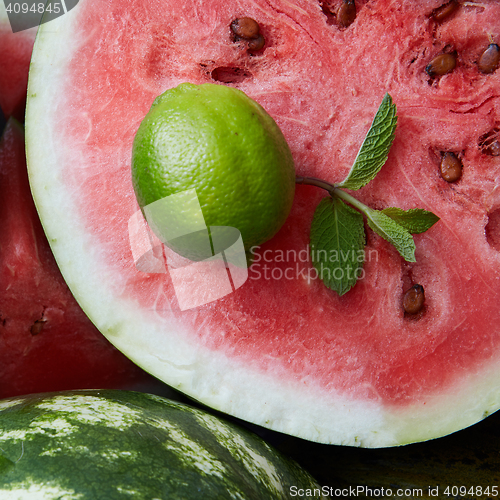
(333, 191)
(312, 181)
(350, 199)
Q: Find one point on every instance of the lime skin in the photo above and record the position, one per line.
(215, 139)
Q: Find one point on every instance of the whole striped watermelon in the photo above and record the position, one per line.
(283, 350)
(105, 444)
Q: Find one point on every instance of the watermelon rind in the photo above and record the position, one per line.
(164, 345)
(108, 444)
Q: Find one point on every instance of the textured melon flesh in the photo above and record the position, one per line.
(46, 341)
(286, 352)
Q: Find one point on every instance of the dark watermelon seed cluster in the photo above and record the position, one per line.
(446, 62)
(248, 30)
(451, 166)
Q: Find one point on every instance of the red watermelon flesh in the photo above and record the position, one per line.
(46, 341)
(15, 56)
(283, 350)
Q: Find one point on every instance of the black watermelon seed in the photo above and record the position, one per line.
(444, 11)
(450, 167)
(346, 13)
(245, 27)
(413, 299)
(37, 326)
(441, 64)
(490, 59)
(493, 149)
(256, 43)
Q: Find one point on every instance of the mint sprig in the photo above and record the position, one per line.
(337, 230)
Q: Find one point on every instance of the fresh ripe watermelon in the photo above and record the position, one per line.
(284, 351)
(123, 444)
(15, 55)
(47, 343)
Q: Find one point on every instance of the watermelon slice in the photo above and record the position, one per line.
(282, 350)
(15, 55)
(47, 343)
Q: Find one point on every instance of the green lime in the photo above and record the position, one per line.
(217, 141)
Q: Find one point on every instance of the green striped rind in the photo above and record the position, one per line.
(120, 444)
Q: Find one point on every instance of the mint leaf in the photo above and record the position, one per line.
(337, 232)
(375, 148)
(337, 244)
(415, 220)
(391, 231)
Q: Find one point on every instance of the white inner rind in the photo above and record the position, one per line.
(293, 406)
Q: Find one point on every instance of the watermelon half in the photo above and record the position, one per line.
(282, 350)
